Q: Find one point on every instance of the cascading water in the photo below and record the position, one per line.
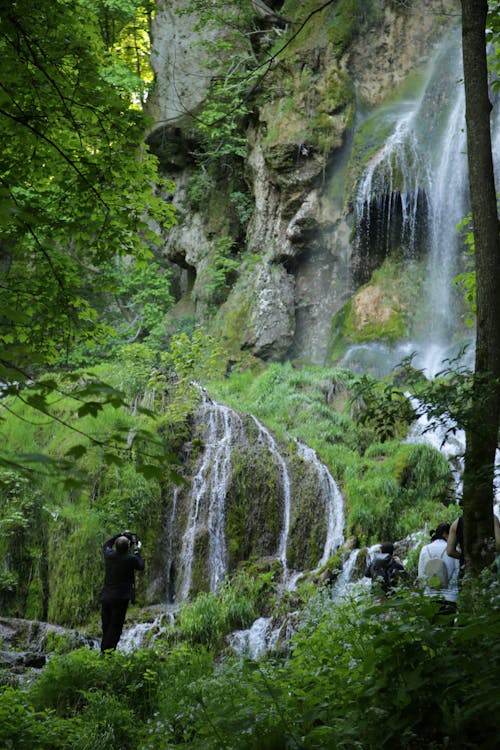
(196, 527)
(409, 201)
(256, 640)
(268, 439)
(208, 493)
(334, 503)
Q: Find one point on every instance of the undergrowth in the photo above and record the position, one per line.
(358, 673)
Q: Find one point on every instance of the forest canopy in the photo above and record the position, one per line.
(76, 180)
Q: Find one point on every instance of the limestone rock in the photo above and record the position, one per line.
(271, 322)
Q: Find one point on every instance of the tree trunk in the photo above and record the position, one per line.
(482, 431)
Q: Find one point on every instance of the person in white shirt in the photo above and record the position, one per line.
(437, 571)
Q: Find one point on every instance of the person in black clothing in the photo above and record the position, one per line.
(385, 569)
(119, 585)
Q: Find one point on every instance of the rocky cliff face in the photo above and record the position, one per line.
(296, 264)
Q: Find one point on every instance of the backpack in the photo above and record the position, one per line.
(436, 573)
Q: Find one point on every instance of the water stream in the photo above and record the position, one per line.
(268, 439)
(409, 201)
(222, 428)
(334, 503)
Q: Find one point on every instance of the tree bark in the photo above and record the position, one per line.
(482, 431)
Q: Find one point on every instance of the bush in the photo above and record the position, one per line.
(68, 682)
(24, 728)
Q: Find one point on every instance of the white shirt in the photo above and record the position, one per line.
(438, 549)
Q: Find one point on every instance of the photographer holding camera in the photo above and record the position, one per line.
(122, 557)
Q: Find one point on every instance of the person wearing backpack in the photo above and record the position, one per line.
(437, 571)
(385, 569)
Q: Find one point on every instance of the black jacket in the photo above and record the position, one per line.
(119, 579)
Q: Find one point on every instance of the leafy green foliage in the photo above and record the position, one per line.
(358, 672)
(198, 357)
(211, 617)
(75, 185)
(22, 727)
(493, 39)
(467, 279)
(222, 270)
(23, 577)
(243, 205)
(230, 56)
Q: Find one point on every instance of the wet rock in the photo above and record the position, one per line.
(26, 644)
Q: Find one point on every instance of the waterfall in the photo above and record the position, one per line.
(169, 564)
(144, 634)
(345, 577)
(412, 195)
(444, 435)
(256, 640)
(334, 503)
(208, 492)
(268, 439)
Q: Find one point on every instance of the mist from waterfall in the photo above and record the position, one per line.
(410, 199)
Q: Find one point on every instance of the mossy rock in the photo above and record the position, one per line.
(336, 24)
(253, 505)
(383, 310)
(307, 533)
(310, 122)
(200, 571)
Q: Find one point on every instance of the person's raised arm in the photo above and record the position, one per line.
(451, 544)
(107, 547)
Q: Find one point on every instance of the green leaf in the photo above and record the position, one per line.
(76, 451)
(90, 407)
(150, 471)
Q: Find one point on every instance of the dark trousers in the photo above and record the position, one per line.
(112, 617)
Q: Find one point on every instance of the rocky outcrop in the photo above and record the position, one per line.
(26, 644)
(299, 140)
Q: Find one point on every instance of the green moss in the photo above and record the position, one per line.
(75, 568)
(288, 118)
(367, 141)
(336, 24)
(338, 341)
(232, 322)
(253, 504)
(35, 599)
(307, 532)
(390, 312)
(200, 578)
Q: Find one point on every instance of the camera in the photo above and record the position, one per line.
(133, 538)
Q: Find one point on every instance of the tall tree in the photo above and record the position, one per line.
(75, 179)
(77, 189)
(482, 430)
